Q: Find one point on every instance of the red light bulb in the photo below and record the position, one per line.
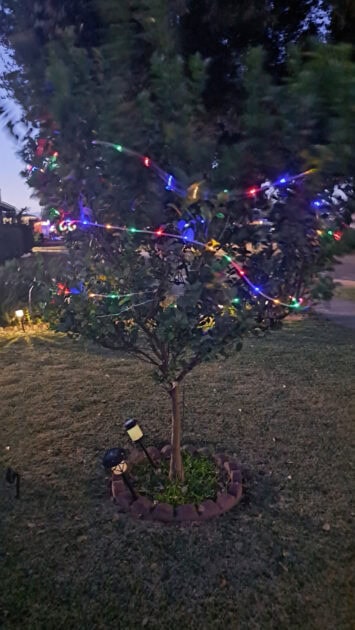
(159, 232)
(147, 162)
(251, 192)
(337, 236)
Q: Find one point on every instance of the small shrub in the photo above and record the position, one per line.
(16, 279)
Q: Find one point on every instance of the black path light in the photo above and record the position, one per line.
(136, 434)
(11, 476)
(115, 460)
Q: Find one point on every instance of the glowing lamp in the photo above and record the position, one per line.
(147, 162)
(337, 236)
(251, 192)
(133, 429)
(115, 460)
(20, 316)
(136, 434)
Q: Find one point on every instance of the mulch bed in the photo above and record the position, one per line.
(145, 509)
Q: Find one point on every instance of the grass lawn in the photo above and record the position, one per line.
(282, 559)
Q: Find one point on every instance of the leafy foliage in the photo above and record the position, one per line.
(24, 284)
(201, 481)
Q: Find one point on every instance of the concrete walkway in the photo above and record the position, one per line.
(338, 310)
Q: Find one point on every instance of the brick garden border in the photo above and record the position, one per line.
(145, 509)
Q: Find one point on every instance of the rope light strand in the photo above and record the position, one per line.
(172, 184)
(211, 245)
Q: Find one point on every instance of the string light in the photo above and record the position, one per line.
(117, 296)
(179, 189)
(211, 246)
(169, 185)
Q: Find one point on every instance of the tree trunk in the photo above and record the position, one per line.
(176, 467)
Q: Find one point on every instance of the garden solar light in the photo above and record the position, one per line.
(136, 434)
(115, 460)
(20, 315)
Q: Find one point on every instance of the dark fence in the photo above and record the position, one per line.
(15, 240)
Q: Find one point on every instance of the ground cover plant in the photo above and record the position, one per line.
(283, 559)
(202, 481)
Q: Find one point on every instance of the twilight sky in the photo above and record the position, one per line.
(13, 187)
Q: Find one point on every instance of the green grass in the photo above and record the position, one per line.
(201, 481)
(282, 559)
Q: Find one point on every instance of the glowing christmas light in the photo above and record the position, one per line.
(169, 185)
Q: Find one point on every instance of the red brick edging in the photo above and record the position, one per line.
(145, 509)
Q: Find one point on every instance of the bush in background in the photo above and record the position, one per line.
(37, 274)
(15, 240)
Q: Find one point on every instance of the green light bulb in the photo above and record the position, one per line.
(119, 147)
